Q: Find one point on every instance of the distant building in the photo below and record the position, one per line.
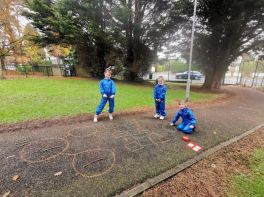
(54, 60)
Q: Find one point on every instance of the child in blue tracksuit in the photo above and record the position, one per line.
(188, 120)
(108, 90)
(159, 97)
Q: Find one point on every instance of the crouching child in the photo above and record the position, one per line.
(188, 119)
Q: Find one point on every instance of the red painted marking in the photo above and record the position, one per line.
(197, 148)
(190, 145)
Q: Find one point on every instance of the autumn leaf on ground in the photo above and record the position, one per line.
(14, 178)
(57, 173)
(6, 194)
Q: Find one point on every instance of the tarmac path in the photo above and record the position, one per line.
(105, 158)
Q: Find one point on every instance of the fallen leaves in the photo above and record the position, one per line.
(6, 194)
(15, 178)
(57, 173)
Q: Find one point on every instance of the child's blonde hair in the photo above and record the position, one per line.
(181, 102)
(108, 70)
(161, 78)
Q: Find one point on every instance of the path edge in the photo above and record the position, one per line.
(169, 173)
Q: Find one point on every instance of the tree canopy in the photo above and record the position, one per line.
(225, 30)
(131, 31)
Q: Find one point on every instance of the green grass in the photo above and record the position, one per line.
(247, 185)
(26, 99)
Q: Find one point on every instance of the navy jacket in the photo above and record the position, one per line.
(107, 86)
(160, 92)
(187, 116)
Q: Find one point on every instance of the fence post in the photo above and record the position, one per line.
(25, 70)
(241, 77)
(254, 74)
(262, 82)
(223, 80)
(238, 72)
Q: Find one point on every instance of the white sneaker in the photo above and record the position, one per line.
(95, 118)
(110, 116)
(156, 116)
(162, 117)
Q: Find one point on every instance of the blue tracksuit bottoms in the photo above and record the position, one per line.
(185, 127)
(160, 108)
(102, 104)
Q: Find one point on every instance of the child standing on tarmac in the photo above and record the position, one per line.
(188, 120)
(108, 90)
(159, 97)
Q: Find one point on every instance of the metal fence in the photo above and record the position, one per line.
(28, 70)
(247, 73)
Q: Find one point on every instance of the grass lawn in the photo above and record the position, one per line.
(31, 98)
(247, 185)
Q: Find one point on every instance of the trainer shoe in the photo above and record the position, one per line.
(162, 117)
(156, 116)
(95, 118)
(110, 116)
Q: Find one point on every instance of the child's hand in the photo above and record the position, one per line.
(158, 100)
(112, 96)
(191, 126)
(104, 95)
(172, 124)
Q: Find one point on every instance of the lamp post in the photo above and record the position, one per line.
(168, 66)
(187, 98)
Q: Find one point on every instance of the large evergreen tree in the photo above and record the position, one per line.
(143, 27)
(131, 30)
(225, 30)
(81, 24)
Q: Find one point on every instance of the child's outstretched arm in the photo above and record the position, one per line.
(175, 119)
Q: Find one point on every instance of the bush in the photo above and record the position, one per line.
(24, 69)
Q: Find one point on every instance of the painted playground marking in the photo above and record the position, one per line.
(43, 150)
(94, 162)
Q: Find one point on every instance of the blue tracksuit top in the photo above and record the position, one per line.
(107, 86)
(160, 92)
(187, 116)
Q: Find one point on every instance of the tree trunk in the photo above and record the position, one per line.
(2, 67)
(134, 41)
(213, 78)
(130, 73)
(85, 56)
(101, 46)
